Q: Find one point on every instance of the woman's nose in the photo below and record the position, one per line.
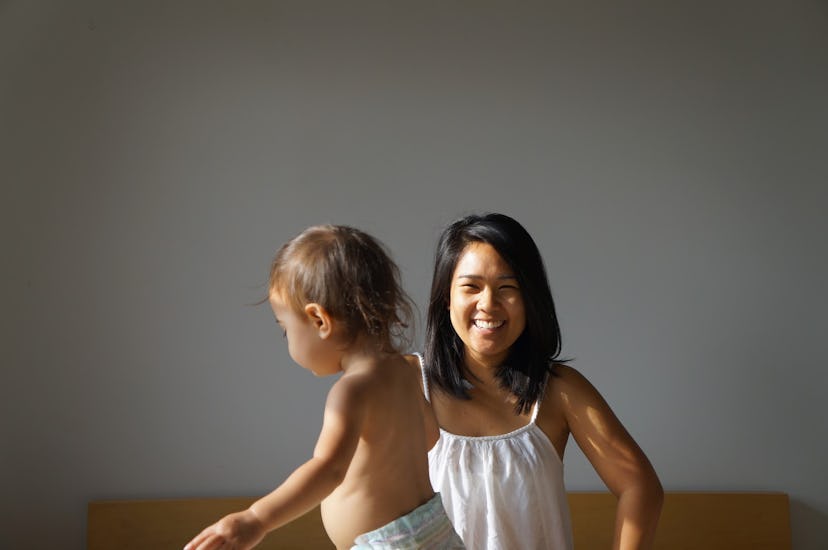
(486, 301)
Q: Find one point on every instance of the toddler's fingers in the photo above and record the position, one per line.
(195, 544)
(214, 542)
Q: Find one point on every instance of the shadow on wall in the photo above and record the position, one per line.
(807, 524)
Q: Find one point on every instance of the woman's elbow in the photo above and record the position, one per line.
(651, 491)
(657, 493)
(645, 487)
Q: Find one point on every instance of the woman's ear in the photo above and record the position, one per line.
(320, 318)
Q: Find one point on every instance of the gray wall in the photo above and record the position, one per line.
(669, 158)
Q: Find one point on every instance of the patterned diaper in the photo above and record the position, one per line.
(426, 528)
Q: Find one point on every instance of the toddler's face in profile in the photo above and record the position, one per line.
(307, 334)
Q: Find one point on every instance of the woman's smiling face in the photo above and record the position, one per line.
(485, 304)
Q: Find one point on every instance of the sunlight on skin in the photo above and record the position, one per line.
(568, 405)
(597, 447)
(629, 529)
(601, 437)
(622, 454)
(617, 460)
(598, 422)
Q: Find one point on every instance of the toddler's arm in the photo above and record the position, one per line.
(307, 485)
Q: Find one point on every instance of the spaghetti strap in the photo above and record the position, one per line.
(536, 408)
(425, 377)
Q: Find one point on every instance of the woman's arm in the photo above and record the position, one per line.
(306, 487)
(616, 457)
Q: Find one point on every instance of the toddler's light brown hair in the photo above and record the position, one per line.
(350, 274)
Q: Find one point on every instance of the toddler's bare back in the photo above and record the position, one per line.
(388, 475)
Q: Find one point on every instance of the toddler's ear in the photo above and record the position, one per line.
(320, 318)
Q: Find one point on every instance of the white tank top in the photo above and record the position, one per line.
(502, 492)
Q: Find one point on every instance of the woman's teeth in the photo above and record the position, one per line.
(487, 324)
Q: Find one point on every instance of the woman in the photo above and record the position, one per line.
(506, 405)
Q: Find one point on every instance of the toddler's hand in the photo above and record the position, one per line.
(238, 531)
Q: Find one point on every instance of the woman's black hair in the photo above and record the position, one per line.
(532, 357)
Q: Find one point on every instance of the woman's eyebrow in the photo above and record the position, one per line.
(473, 276)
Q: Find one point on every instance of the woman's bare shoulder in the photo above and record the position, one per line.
(566, 377)
(568, 388)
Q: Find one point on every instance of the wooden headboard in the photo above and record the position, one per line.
(709, 521)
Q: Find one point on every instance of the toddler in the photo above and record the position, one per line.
(337, 297)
